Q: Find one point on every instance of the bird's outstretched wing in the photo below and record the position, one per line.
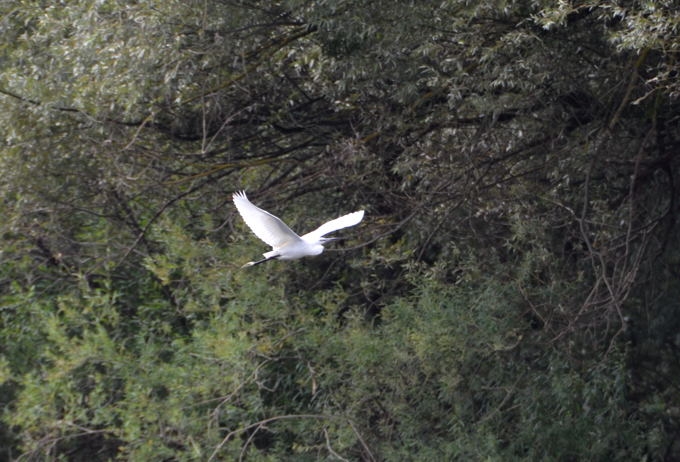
(266, 226)
(344, 221)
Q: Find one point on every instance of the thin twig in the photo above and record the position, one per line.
(256, 426)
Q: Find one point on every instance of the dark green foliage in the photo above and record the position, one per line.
(511, 295)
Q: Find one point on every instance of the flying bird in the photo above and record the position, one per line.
(286, 245)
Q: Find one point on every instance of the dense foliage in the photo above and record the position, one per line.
(513, 293)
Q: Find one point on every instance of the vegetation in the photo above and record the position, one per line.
(512, 294)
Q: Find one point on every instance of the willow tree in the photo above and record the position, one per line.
(517, 164)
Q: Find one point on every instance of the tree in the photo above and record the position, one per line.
(511, 295)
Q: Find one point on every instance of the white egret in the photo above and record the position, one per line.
(286, 245)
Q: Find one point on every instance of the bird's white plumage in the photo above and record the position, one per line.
(286, 244)
(344, 221)
(266, 226)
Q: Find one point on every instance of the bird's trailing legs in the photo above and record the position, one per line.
(253, 263)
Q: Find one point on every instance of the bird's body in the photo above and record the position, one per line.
(286, 244)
